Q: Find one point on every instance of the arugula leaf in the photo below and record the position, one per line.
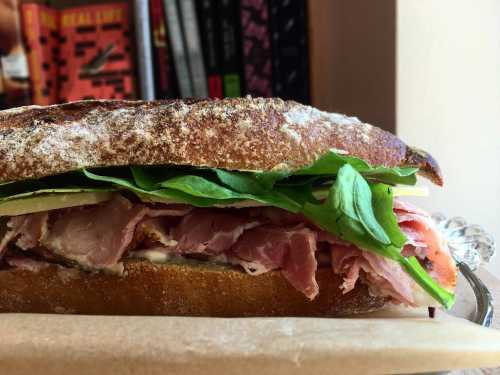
(383, 208)
(394, 176)
(331, 162)
(268, 179)
(201, 187)
(161, 194)
(241, 182)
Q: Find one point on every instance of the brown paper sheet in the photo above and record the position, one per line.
(401, 343)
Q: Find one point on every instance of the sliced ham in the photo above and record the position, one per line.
(96, 237)
(292, 250)
(210, 231)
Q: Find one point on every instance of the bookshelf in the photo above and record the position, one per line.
(344, 59)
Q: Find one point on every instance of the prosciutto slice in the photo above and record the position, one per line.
(210, 231)
(96, 237)
(28, 229)
(425, 241)
(292, 250)
(385, 276)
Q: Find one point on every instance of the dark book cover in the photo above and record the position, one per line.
(256, 47)
(288, 21)
(40, 29)
(179, 49)
(210, 31)
(192, 40)
(229, 19)
(163, 68)
(95, 53)
(144, 50)
(13, 61)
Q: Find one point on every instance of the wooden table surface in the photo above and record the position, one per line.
(493, 284)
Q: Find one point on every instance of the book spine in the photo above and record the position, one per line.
(144, 49)
(95, 53)
(255, 35)
(13, 61)
(40, 27)
(230, 42)
(178, 49)
(288, 21)
(209, 32)
(163, 69)
(193, 47)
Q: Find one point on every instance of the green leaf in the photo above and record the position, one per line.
(201, 187)
(341, 214)
(352, 198)
(241, 182)
(331, 162)
(419, 274)
(268, 179)
(393, 176)
(160, 194)
(382, 200)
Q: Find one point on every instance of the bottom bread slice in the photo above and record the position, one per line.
(182, 289)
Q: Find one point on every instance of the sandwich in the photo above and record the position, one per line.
(223, 208)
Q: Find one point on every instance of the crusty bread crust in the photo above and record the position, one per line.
(238, 133)
(176, 289)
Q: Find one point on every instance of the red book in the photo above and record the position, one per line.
(40, 27)
(95, 59)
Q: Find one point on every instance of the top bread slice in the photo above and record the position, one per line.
(253, 134)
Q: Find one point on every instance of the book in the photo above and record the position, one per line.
(165, 85)
(144, 49)
(177, 42)
(40, 28)
(95, 58)
(288, 21)
(229, 17)
(13, 61)
(209, 31)
(256, 47)
(193, 48)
